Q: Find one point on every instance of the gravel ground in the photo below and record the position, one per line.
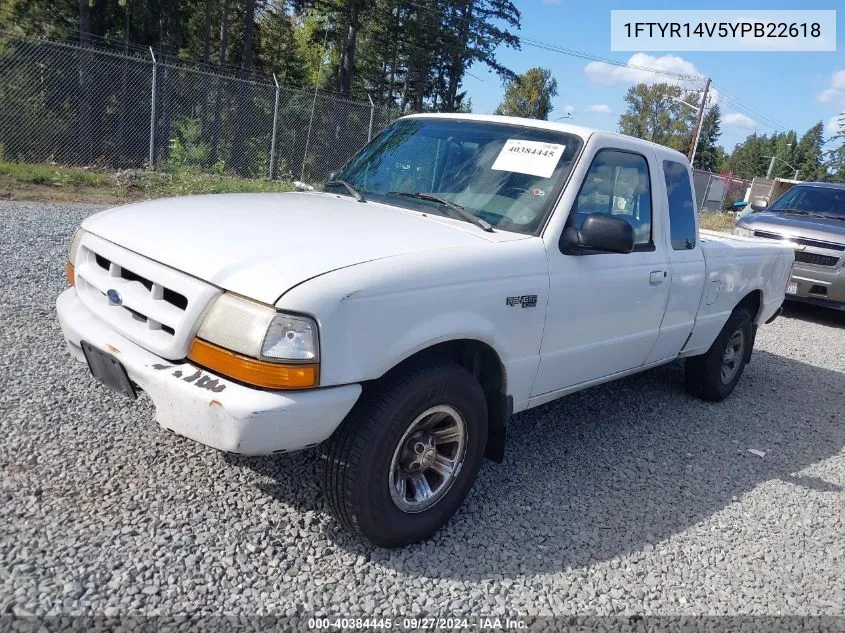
(627, 498)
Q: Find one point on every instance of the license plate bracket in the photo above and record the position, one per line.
(108, 370)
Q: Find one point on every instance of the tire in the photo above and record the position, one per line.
(372, 464)
(714, 375)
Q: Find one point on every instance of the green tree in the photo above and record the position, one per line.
(407, 56)
(835, 157)
(707, 153)
(530, 94)
(655, 114)
(474, 30)
(722, 160)
(279, 52)
(748, 158)
(809, 154)
(753, 156)
(784, 147)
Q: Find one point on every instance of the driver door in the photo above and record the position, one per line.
(605, 309)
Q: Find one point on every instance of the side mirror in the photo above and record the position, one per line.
(331, 175)
(740, 204)
(599, 232)
(759, 204)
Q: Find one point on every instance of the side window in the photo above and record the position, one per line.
(617, 184)
(681, 205)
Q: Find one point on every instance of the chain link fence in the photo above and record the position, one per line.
(717, 192)
(85, 106)
(90, 107)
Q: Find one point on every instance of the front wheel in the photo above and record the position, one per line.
(407, 455)
(714, 375)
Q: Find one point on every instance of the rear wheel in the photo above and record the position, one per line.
(714, 375)
(407, 455)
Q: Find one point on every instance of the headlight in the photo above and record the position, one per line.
(255, 343)
(743, 232)
(71, 256)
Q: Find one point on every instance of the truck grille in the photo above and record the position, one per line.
(157, 307)
(804, 241)
(815, 258)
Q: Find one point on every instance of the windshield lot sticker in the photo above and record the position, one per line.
(534, 158)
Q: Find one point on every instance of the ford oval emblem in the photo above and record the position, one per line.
(114, 297)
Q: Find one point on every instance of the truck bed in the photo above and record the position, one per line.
(734, 266)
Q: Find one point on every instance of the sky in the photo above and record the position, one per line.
(794, 90)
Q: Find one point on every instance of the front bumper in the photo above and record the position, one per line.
(207, 408)
(819, 285)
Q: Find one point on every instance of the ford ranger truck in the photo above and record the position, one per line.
(459, 269)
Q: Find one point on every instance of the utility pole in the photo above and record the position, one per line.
(699, 120)
(770, 169)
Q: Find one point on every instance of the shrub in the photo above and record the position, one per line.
(188, 152)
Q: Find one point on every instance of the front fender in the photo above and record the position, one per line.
(375, 315)
(450, 326)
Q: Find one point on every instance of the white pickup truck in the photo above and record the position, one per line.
(457, 270)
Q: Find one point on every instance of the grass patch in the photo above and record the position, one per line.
(27, 181)
(52, 175)
(717, 221)
(162, 184)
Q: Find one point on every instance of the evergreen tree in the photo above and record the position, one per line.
(835, 157)
(748, 158)
(707, 153)
(809, 154)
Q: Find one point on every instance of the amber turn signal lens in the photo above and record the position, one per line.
(253, 371)
(71, 279)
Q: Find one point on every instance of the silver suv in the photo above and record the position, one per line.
(812, 217)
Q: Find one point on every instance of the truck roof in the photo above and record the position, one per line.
(583, 132)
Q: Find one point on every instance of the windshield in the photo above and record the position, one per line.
(507, 175)
(826, 201)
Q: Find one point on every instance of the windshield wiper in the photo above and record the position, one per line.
(456, 211)
(352, 190)
(799, 212)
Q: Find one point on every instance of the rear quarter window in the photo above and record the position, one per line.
(681, 205)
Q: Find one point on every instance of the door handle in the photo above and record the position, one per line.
(657, 277)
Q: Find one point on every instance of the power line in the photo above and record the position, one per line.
(755, 111)
(530, 41)
(734, 102)
(731, 100)
(587, 56)
(727, 100)
(739, 108)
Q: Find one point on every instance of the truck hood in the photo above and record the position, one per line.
(794, 225)
(261, 245)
